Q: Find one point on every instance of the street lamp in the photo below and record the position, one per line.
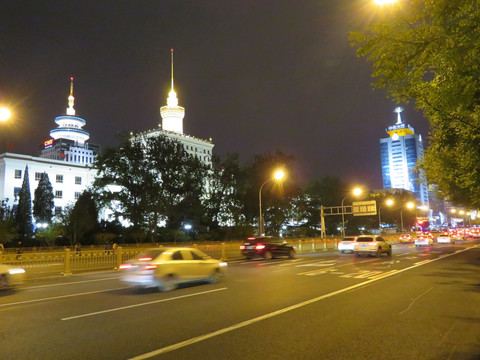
(409, 205)
(389, 202)
(5, 113)
(278, 175)
(384, 2)
(355, 192)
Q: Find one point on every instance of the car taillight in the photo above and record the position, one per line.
(242, 247)
(125, 266)
(149, 267)
(259, 247)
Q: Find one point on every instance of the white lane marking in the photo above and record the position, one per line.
(267, 316)
(319, 263)
(61, 296)
(70, 283)
(415, 299)
(142, 304)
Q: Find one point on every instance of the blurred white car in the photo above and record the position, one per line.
(372, 245)
(423, 240)
(166, 268)
(445, 238)
(347, 244)
(11, 276)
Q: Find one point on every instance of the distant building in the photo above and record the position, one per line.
(399, 155)
(69, 142)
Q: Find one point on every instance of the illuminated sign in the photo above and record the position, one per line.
(48, 143)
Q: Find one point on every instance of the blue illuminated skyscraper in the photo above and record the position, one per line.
(399, 155)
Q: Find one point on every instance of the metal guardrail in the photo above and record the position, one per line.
(56, 262)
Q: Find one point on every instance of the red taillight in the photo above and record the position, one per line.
(242, 247)
(149, 267)
(125, 266)
(259, 247)
(145, 259)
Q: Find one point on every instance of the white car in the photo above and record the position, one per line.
(11, 276)
(372, 245)
(347, 244)
(423, 240)
(445, 239)
(166, 268)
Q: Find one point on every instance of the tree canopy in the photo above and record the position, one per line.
(428, 51)
(148, 180)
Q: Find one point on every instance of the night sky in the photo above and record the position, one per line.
(255, 76)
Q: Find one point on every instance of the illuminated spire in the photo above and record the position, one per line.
(172, 114)
(398, 110)
(71, 100)
(172, 100)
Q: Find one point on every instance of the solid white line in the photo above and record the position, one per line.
(142, 304)
(70, 283)
(269, 315)
(61, 297)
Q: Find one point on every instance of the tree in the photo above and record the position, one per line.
(147, 181)
(225, 191)
(83, 220)
(428, 51)
(23, 217)
(43, 201)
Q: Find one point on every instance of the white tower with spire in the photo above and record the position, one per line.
(172, 114)
(69, 141)
(69, 125)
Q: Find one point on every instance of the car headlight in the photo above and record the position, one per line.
(16, 271)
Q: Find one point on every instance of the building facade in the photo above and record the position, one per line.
(68, 180)
(399, 154)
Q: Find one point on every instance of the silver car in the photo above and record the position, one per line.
(372, 245)
(166, 268)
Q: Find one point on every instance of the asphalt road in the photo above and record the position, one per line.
(423, 303)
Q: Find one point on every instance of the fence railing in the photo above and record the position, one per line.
(66, 261)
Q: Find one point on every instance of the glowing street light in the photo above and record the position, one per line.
(357, 191)
(5, 113)
(278, 176)
(389, 202)
(384, 2)
(410, 205)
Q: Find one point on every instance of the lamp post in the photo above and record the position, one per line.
(356, 192)
(389, 202)
(278, 175)
(5, 113)
(410, 205)
(384, 2)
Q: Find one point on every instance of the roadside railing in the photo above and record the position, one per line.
(54, 262)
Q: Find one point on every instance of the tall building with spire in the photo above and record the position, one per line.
(399, 154)
(172, 126)
(69, 142)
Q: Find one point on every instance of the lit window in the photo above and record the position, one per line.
(18, 174)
